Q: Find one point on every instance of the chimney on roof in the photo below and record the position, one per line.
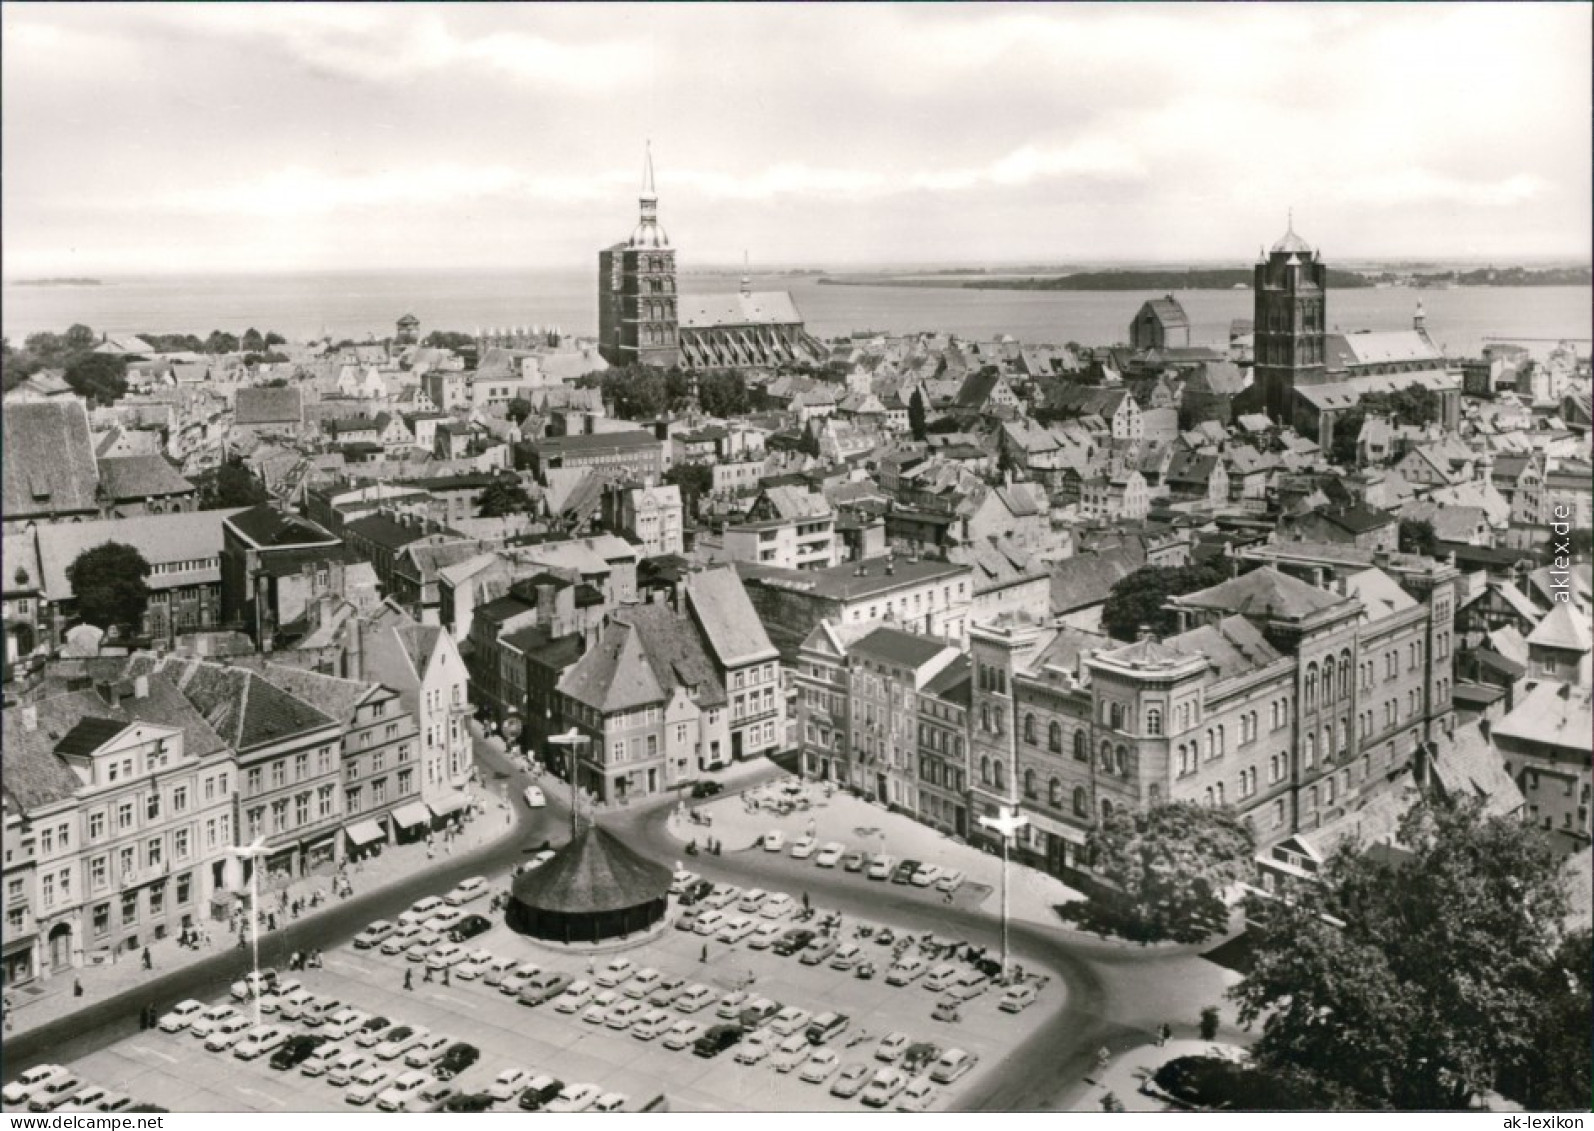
(1144, 633)
(354, 649)
(30, 718)
(141, 687)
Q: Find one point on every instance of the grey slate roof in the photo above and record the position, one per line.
(141, 477)
(48, 464)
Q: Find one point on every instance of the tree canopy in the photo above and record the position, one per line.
(518, 410)
(916, 416)
(230, 485)
(448, 339)
(1417, 537)
(723, 392)
(1418, 978)
(1137, 600)
(1164, 872)
(100, 378)
(109, 585)
(694, 479)
(504, 496)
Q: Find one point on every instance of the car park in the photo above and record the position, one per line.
(575, 996)
(315, 1014)
(790, 1020)
(764, 937)
(261, 1040)
(758, 1012)
(253, 983)
(941, 977)
(756, 1047)
(534, 797)
(803, 847)
(55, 1092)
(468, 928)
(706, 788)
(445, 919)
(434, 1095)
(455, 1059)
(881, 866)
(855, 861)
(288, 1006)
(372, 1033)
(906, 969)
(394, 1095)
(597, 1011)
(818, 950)
(425, 1053)
(296, 1050)
(447, 955)
(400, 938)
(851, 1080)
(609, 1101)
(731, 1005)
(87, 1099)
(421, 910)
(751, 901)
(669, 988)
(364, 1086)
(467, 890)
(686, 919)
(952, 1065)
(515, 981)
(736, 929)
(777, 906)
(830, 855)
(693, 998)
(575, 1097)
(917, 1096)
(399, 1040)
(950, 881)
(228, 1033)
(891, 1047)
(884, 1086)
(181, 1015)
(708, 922)
(544, 987)
(651, 1024)
(903, 873)
(623, 1013)
(774, 841)
(475, 965)
(509, 1083)
(422, 944)
(537, 1094)
(21, 1090)
(349, 1067)
(820, 1066)
(320, 1062)
(793, 941)
(716, 1040)
(114, 1101)
(925, 875)
(205, 1024)
(722, 896)
(696, 893)
(1016, 999)
(826, 1027)
(682, 1034)
(470, 1102)
(617, 971)
(792, 1051)
(682, 880)
(497, 970)
(642, 983)
(846, 956)
(344, 1023)
(373, 934)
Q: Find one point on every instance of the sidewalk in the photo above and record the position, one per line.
(43, 1001)
(1129, 1070)
(859, 824)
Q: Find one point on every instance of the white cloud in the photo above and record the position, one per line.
(299, 191)
(1419, 186)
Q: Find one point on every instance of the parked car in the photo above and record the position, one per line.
(323, 1058)
(696, 893)
(575, 1097)
(228, 1033)
(884, 1087)
(455, 1059)
(804, 847)
(421, 910)
(778, 906)
(575, 996)
(881, 866)
(205, 1024)
(497, 970)
(544, 987)
(819, 1066)
(774, 841)
(399, 1040)
(467, 890)
(609, 1101)
(642, 983)
(682, 880)
(181, 1015)
(826, 1027)
(855, 861)
(736, 929)
(348, 1068)
(444, 920)
(296, 1050)
(597, 1011)
(722, 896)
(617, 971)
(1016, 999)
(373, 934)
(793, 941)
(683, 1034)
(952, 1065)
(535, 798)
(917, 1096)
(344, 1023)
(764, 937)
(792, 1051)
(950, 881)
(790, 1020)
(253, 983)
(686, 918)
(114, 1101)
(846, 956)
(730, 1006)
(819, 949)
(475, 965)
(706, 788)
(905, 970)
(830, 855)
(288, 1006)
(669, 988)
(21, 1090)
(422, 944)
(941, 977)
(925, 875)
(891, 1047)
(86, 1100)
(758, 1013)
(651, 1024)
(279, 993)
(509, 1083)
(316, 1013)
(366, 1084)
(447, 955)
(708, 922)
(537, 1094)
(468, 928)
(947, 1009)
(693, 998)
(751, 900)
(919, 1056)
(425, 1053)
(903, 873)
(516, 980)
(850, 1080)
(756, 1047)
(400, 938)
(372, 1033)
(717, 1040)
(55, 1092)
(470, 1102)
(623, 1013)
(260, 1041)
(394, 1095)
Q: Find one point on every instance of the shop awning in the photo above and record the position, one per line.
(364, 832)
(451, 804)
(408, 816)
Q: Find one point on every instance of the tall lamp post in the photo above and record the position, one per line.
(255, 853)
(572, 740)
(1006, 823)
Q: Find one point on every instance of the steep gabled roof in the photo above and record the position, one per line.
(720, 604)
(1264, 592)
(49, 465)
(615, 674)
(1563, 628)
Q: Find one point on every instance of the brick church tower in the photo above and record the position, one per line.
(637, 318)
(1291, 290)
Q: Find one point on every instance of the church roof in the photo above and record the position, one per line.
(594, 873)
(737, 308)
(1291, 243)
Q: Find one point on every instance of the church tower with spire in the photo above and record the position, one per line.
(638, 321)
(1291, 288)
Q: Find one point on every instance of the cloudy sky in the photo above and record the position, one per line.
(245, 137)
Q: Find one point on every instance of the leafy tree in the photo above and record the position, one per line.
(1137, 600)
(519, 410)
(694, 479)
(637, 392)
(448, 339)
(1343, 444)
(809, 444)
(230, 485)
(174, 343)
(78, 339)
(916, 416)
(1414, 405)
(1558, 1077)
(1164, 871)
(275, 339)
(108, 584)
(1417, 537)
(252, 341)
(723, 392)
(503, 497)
(221, 342)
(1417, 981)
(98, 377)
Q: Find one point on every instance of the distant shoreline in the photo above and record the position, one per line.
(1216, 279)
(58, 283)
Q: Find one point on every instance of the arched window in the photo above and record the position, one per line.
(1081, 752)
(1117, 716)
(1273, 716)
(1029, 783)
(999, 772)
(1154, 794)
(1347, 679)
(1206, 797)
(985, 717)
(1222, 744)
(1081, 802)
(1311, 687)
(1106, 756)
(1054, 793)
(1219, 788)
(1154, 720)
(1121, 761)
(1029, 729)
(1311, 750)
(1106, 809)
(985, 771)
(1209, 747)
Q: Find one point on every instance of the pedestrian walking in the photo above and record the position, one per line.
(445, 975)
(409, 979)
(1103, 1057)
(271, 921)
(148, 964)
(1163, 1034)
(703, 957)
(428, 975)
(77, 988)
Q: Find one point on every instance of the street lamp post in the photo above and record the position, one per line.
(572, 740)
(255, 853)
(1006, 823)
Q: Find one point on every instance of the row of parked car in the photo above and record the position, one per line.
(56, 1088)
(877, 866)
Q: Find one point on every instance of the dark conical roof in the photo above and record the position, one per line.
(594, 872)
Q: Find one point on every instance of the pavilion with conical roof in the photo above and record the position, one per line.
(594, 889)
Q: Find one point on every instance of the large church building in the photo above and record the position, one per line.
(644, 320)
